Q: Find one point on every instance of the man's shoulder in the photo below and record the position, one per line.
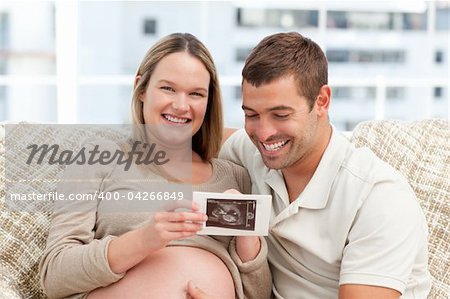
(365, 165)
(238, 148)
(238, 138)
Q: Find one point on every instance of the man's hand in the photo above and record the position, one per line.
(247, 247)
(194, 292)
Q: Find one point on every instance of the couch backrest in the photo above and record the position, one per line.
(23, 234)
(420, 150)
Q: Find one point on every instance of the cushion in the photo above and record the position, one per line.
(420, 150)
(24, 234)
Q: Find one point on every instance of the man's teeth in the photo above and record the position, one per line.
(274, 146)
(176, 119)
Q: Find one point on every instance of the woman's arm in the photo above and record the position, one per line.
(74, 261)
(131, 248)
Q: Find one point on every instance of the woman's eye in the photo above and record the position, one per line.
(197, 94)
(168, 88)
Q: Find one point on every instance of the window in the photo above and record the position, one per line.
(438, 57)
(364, 93)
(359, 20)
(338, 55)
(2, 102)
(3, 45)
(279, 18)
(149, 26)
(341, 92)
(242, 53)
(4, 41)
(438, 92)
(376, 20)
(395, 93)
(4, 30)
(365, 56)
(358, 93)
(238, 93)
(2, 66)
(392, 56)
(442, 15)
(414, 21)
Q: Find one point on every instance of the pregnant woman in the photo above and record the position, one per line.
(95, 253)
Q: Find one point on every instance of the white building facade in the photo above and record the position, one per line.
(74, 61)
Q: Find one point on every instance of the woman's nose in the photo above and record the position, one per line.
(180, 103)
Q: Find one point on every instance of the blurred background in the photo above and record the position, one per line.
(74, 61)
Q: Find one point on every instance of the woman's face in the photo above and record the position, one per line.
(176, 96)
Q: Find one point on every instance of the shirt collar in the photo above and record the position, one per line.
(316, 193)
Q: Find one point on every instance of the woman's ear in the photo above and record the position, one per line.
(136, 81)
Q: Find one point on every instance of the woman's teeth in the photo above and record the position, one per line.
(175, 119)
(274, 146)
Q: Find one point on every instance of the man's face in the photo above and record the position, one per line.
(279, 122)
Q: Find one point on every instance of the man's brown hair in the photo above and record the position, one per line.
(284, 54)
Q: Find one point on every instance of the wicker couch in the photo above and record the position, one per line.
(420, 150)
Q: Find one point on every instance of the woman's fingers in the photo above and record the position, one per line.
(232, 191)
(182, 204)
(181, 227)
(179, 217)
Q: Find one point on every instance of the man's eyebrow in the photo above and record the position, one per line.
(246, 108)
(281, 107)
(276, 108)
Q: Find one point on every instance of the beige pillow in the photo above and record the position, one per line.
(420, 150)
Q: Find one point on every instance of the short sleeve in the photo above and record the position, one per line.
(387, 235)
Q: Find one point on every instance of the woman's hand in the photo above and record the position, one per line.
(132, 247)
(164, 227)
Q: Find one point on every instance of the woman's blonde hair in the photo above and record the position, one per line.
(206, 142)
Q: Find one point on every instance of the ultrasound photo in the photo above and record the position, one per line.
(229, 213)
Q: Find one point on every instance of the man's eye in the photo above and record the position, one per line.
(251, 115)
(281, 116)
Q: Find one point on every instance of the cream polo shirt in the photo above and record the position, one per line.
(356, 222)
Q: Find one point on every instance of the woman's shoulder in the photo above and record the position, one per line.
(227, 169)
(227, 166)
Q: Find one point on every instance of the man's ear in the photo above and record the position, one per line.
(323, 101)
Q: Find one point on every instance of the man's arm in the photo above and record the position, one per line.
(356, 291)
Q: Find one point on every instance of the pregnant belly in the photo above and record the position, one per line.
(165, 275)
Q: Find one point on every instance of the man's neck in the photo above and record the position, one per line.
(297, 176)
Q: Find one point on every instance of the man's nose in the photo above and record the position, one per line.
(265, 129)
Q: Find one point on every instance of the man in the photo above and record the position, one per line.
(344, 224)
